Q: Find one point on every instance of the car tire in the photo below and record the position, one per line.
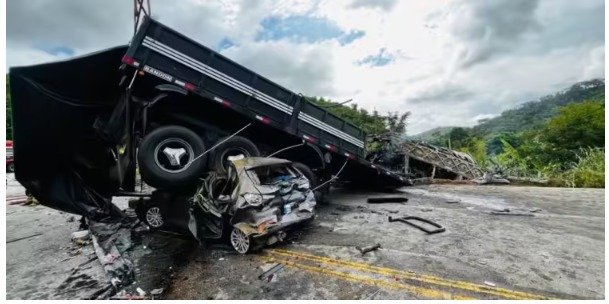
(233, 146)
(241, 242)
(153, 215)
(166, 157)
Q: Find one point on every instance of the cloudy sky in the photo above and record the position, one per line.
(449, 62)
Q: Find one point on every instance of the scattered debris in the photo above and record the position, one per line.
(536, 210)
(489, 178)
(489, 283)
(339, 228)
(23, 238)
(409, 220)
(71, 219)
(368, 249)
(426, 210)
(507, 211)
(81, 237)
(16, 200)
(369, 297)
(269, 275)
(391, 211)
(141, 292)
(452, 202)
(30, 200)
(387, 199)
(156, 292)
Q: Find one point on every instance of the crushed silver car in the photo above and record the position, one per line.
(255, 204)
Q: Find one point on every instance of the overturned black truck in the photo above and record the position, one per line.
(171, 109)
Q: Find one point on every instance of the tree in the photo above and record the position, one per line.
(576, 126)
(396, 122)
(458, 137)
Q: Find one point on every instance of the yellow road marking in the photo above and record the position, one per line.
(417, 291)
(461, 285)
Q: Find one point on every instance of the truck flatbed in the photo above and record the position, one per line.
(167, 54)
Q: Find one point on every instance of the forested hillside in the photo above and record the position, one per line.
(534, 113)
(560, 137)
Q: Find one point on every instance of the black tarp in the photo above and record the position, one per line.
(59, 156)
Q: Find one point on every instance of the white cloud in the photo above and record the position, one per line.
(453, 62)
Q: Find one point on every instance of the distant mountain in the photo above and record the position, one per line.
(432, 134)
(526, 116)
(534, 113)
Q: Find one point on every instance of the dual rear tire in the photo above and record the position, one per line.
(170, 156)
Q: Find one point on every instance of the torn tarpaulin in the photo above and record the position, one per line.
(111, 241)
(58, 154)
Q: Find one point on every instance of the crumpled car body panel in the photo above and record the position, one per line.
(283, 203)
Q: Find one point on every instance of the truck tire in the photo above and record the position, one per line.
(313, 180)
(166, 156)
(234, 146)
(307, 172)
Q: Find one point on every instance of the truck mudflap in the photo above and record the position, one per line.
(59, 156)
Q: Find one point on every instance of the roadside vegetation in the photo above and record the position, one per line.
(559, 138)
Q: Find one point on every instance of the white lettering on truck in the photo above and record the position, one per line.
(158, 73)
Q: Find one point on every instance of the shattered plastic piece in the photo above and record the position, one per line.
(115, 281)
(452, 202)
(536, 210)
(141, 292)
(368, 249)
(489, 283)
(156, 292)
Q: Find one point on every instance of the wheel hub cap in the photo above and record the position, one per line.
(154, 217)
(174, 155)
(240, 241)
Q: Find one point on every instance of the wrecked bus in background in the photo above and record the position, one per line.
(174, 109)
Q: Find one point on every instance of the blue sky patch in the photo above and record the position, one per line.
(380, 59)
(352, 36)
(304, 29)
(225, 43)
(57, 50)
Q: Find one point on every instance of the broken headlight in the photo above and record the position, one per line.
(256, 199)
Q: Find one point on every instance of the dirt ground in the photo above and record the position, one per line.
(554, 250)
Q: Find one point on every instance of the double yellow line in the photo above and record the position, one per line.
(297, 259)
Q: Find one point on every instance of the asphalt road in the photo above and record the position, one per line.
(556, 253)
